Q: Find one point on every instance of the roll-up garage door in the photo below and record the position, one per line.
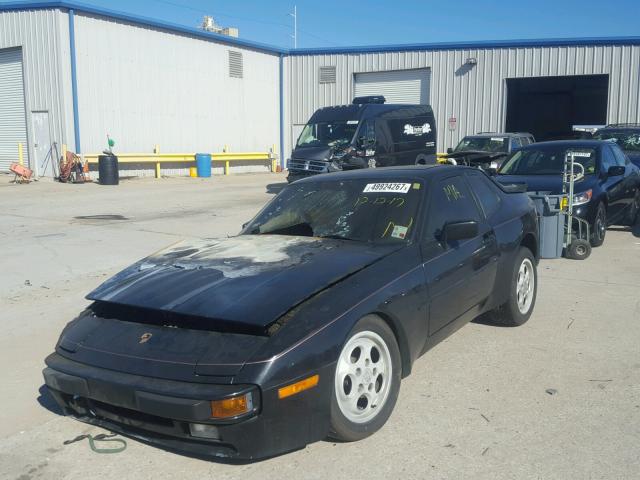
(13, 125)
(397, 86)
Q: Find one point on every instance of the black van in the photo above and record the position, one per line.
(368, 133)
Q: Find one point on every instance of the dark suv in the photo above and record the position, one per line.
(487, 150)
(626, 135)
(368, 133)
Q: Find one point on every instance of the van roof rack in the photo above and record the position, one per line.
(369, 99)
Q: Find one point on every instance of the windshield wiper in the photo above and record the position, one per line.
(338, 237)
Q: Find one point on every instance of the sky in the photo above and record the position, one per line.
(327, 23)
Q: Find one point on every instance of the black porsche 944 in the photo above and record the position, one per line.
(301, 327)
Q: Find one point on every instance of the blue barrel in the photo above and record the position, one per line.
(203, 164)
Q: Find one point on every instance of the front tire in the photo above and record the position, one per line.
(522, 292)
(599, 226)
(366, 381)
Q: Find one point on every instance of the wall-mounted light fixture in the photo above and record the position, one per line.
(471, 61)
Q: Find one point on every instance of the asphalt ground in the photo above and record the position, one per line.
(558, 398)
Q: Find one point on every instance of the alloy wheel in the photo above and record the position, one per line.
(363, 377)
(525, 286)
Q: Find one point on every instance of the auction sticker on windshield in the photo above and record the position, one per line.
(387, 187)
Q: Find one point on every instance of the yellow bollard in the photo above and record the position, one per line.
(64, 153)
(20, 156)
(226, 167)
(158, 174)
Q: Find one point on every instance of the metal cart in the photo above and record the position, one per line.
(561, 232)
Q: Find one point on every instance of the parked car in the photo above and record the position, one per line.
(487, 150)
(626, 135)
(303, 326)
(609, 193)
(368, 133)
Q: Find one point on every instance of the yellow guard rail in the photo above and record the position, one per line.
(159, 158)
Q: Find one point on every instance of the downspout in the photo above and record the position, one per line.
(282, 154)
(74, 80)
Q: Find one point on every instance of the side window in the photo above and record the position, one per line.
(608, 159)
(451, 201)
(620, 157)
(485, 192)
(367, 134)
(515, 143)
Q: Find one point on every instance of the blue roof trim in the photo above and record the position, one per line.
(546, 42)
(159, 24)
(484, 44)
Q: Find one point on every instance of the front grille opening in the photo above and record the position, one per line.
(164, 318)
(128, 416)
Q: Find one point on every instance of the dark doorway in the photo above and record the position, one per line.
(548, 107)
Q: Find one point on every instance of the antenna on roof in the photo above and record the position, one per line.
(295, 26)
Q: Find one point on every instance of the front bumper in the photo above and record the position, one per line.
(159, 412)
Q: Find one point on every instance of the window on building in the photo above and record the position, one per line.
(235, 64)
(327, 74)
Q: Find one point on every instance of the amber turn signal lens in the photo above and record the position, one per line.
(231, 407)
(298, 387)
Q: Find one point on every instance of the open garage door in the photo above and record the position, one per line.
(13, 125)
(548, 107)
(397, 86)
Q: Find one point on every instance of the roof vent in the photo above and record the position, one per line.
(369, 99)
(235, 64)
(327, 74)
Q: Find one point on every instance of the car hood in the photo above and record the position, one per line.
(248, 280)
(550, 184)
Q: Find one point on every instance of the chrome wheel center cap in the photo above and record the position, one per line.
(367, 376)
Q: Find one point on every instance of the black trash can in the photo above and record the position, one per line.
(108, 170)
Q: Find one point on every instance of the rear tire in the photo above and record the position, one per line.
(522, 292)
(366, 381)
(599, 230)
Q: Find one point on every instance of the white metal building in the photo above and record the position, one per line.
(72, 74)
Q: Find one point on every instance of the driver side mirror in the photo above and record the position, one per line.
(449, 150)
(459, 231)
(615, 171)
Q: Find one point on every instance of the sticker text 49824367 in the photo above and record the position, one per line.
(387, 187)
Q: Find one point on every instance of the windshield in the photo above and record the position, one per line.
(359, 210)
(331, 134)
(628, 141)
(548, 161)
(483, 144)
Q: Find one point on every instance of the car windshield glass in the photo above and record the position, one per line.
(330, 134)
(547, 161)
(358, 210)
(483, 144)
(628, 141)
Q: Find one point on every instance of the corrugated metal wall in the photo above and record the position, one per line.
(41, 34)
(475, 96)
(13, 122)
(145, 86)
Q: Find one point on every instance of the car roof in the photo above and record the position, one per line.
(499, 134)
(621, 126)
(387, 173)
(365, 110)
(566, 144)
